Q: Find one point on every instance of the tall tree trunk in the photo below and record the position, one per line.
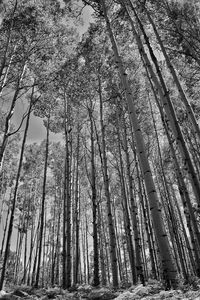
(101, 250)
(5, 75)
(4, 232)
(127, 222)
(94, 203)
(174, 75)
(184, 193)
(10, 228)
(113, 249)
(77, 210)
(134, 209)
(167, 104)
(168, 266)
(42, 213)
(67, 203)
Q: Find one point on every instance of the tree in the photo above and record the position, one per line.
(169, 270)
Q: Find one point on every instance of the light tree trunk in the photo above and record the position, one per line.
(134, 210)
(87, 250)
(168, 267)
(4, 232)
(4, 79)
(127, 222)
(42, 213)
(167, 104)
(67, 264)
(174, 75)
(113, 249)
(102, 250)
(96, 280)
(77, 211)
(10, 227)
(186, 201)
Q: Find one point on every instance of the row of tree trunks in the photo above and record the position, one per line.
(12, 211)
(169, 270)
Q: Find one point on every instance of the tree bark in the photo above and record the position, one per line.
(169, 270)
(12, 212)
(113, 247)
(42, 214)
(67, 264)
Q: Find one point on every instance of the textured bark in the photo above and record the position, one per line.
(94, 204)
(3, 81)
(169, 270)
(104, 237)
(134, 209)
(42, 213)
(147, 221)
(4, 232)
(77, 211)
(184, 193)
(12, 212)
(67, 205)
(175, 77)
(112, 236)
(102, 252)
(127, 222)
(167, 104)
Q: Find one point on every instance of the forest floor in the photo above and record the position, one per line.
(152, 291)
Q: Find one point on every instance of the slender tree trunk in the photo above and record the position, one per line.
(67, 204)
(57, 253)
(42, 214)
(77, 210)
(101, 251)
(5, 75)
(10, 228)
(174, 75)
(127, 222)
(167, 104)
(169, 270)
(187, 204)
(4, 232)
(113, 250)
(94, 204)
(134, 209)
(44, 246)
(87, 250)
(118, 248)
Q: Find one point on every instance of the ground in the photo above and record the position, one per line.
(152, 291)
